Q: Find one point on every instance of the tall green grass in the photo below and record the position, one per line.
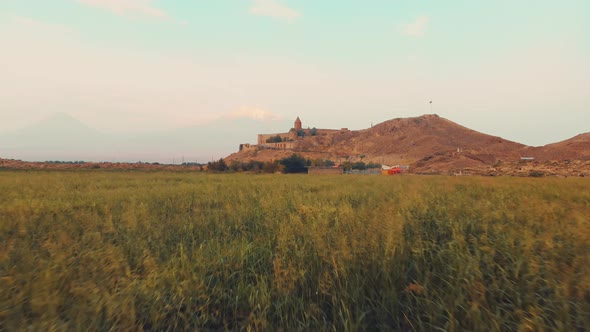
(95, 250)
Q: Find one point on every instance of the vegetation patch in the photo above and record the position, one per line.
(101, 250)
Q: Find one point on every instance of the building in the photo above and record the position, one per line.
(281, 140)
(289, 140)
(247, 146)
(298, 124)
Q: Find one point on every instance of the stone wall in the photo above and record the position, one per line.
(280, 146)
(285, 136)
(247, 146)
(325, 170)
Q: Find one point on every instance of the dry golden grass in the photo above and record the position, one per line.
(96, 250)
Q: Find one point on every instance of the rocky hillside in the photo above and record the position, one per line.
(575, 148)
(403, 140)
(414, 138)
(429, 143)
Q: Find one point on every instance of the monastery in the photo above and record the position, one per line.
(288, 140)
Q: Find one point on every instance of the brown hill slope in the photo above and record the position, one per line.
(575, 148)
(425, 135)
(399, 141)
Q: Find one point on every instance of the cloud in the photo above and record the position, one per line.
(274, 9)
(255, 113)
(129, 8)
(417, 28)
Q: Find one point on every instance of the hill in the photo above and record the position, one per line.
(432, 144)
(398, 141)
(428, 144)
(575, 148)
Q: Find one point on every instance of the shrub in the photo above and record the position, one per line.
(294, 164)
(274, 139)
(218, 166)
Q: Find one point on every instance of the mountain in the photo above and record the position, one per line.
(412, 138)
(575, 148)
(429, 143)
(58, 130)
(400, 141)
(58, 137)
(62, 137)
(202, 142)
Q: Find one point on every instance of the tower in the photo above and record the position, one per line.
(297, 124)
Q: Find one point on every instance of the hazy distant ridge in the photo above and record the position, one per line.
(62, 137)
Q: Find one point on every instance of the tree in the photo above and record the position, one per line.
(254, 166)
(322, 162)
(294, 164)
(373, 165)
(274, 139)
(300, 133)
(347, 165)
(217, 166)
(328, 162)
(236, 166)
(271, 167)
(359, 165)
(313, 131)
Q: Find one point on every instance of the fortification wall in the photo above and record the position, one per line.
(281, 145)
(328, 131)
(289, 138)
(284, 136)
(325, 170)
(247, 146)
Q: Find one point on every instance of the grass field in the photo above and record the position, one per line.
(97, 250)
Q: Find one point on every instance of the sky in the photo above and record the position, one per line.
(515, 69)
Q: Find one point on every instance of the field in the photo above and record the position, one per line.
(105, 250)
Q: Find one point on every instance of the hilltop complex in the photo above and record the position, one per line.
(428, 143)
(289, 140)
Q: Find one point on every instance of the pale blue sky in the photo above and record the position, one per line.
(516, 69)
